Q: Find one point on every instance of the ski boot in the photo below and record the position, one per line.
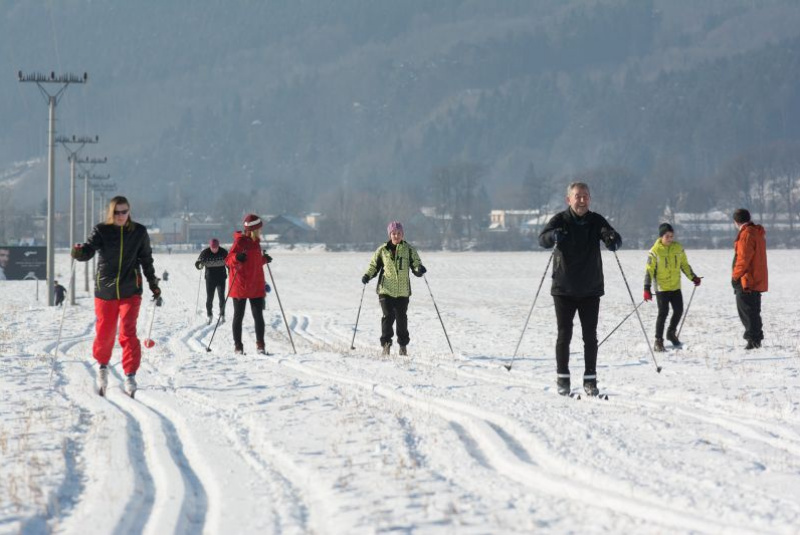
(387, 348)
(130, 384)
(659, 345)
(563, 384)
(752, 344)
(403, 351)
(590, 386)
(260, 349)
(672, 337)
(221, 319)
(209, 319)
(102, 380)
(238, 350)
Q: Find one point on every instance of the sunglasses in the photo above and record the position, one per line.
(120, 212)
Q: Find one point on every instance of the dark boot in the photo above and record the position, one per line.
(672, 337)
(403, 351)
(386, 349)
(260, 348)
(590, 387)
(659, 345)
(563, 386)
(752, 344)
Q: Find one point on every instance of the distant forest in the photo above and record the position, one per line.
(368, 110)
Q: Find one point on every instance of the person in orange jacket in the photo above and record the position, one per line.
(749, 277)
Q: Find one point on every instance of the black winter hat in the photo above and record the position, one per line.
(663, 228)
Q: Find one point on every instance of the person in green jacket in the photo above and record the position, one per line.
(391, 264)
(666, 261)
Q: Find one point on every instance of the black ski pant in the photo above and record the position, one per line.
(212, 286)
(257, 309)
(588, 309)
(749, 306)
(394, 310)
(673, 298)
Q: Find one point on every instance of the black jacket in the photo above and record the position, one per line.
(577, 265)
(214, 263)
(123, 254)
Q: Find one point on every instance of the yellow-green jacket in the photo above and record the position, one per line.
(394, 281)
(664, 266)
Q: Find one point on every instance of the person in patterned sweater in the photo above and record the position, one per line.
(213, 259)
(391, 264)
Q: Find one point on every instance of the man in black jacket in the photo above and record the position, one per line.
(213, 259)
(577, 286)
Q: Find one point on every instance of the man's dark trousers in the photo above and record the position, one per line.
(588, 309)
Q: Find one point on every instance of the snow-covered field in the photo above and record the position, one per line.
(334, 440)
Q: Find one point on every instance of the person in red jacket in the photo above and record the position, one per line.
(246, 262)
(749, 277)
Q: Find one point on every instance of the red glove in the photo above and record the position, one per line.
(647, 295)
(696, 280)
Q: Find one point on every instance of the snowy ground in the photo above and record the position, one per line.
(333, 440)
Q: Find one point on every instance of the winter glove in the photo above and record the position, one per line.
(158, 301)
(420, 271)
(365, 279)
(198, 265)
(696, 280)
(647, 295)
(77, 252)
(155, 289)
(610, 239)
(241, 257)
(267, 288)
(267, 257)
(559, 235)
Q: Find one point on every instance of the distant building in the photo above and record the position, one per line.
(524, 221)
(289, 229)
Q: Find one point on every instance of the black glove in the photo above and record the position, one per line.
(365, 279)
(155, 289)
(241, 257)
(77, 252)
(198, 265)
(420, 271)
(159, 301)
(610, 239)
(559, 235)
(267, 257)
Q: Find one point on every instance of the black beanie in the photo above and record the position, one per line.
(663, 228)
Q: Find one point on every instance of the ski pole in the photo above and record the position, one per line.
(644, 331)
(358, 315)
(197, 303)
(148, 342)
(525, 327)
(233, 279)
(60, 326)
(437, 313)
(620, 324)
(686, 313)
(275, 287)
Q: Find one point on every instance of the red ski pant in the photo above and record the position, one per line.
(109, 313)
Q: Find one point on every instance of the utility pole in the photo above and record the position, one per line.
(87, 175)
(72, 156)
(100, 190)
(52, 100)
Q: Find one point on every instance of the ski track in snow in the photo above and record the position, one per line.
(334, 439)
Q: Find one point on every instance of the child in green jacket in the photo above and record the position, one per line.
(666, 261)
(392, 260)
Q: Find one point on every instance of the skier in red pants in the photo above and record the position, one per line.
(124, 255)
